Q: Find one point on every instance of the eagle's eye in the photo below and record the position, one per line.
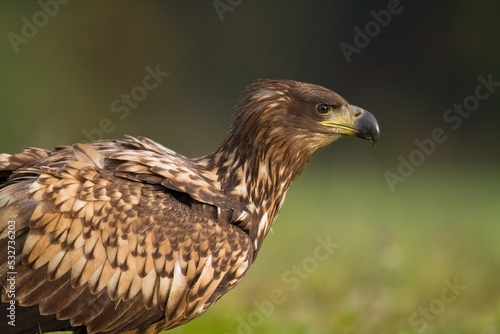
(324, 109)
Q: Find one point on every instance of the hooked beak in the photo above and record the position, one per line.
(356, 122)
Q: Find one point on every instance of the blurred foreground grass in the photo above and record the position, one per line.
(396, 252)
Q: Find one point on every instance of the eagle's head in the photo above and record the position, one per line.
(297, 117)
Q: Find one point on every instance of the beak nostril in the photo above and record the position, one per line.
(357, 111)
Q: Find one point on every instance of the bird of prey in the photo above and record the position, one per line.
(127, 236)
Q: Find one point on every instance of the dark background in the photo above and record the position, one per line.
(63, 80)
(426, 59)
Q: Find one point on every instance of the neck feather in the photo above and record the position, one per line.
(256, 164)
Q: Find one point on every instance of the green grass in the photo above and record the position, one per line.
(396, 250)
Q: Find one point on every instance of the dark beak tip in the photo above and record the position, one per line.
(368, 126)
(375, 135)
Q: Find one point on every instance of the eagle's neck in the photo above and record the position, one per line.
(260, 172)
(255, 165)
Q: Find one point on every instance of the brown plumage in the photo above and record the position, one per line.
(127, 236)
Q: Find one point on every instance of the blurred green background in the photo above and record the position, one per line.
(400, 244)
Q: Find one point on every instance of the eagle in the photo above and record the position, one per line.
(128, 236)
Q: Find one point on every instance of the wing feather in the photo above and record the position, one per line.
(56, 268)
(116, 250)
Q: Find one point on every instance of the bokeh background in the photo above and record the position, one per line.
(400, 247)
